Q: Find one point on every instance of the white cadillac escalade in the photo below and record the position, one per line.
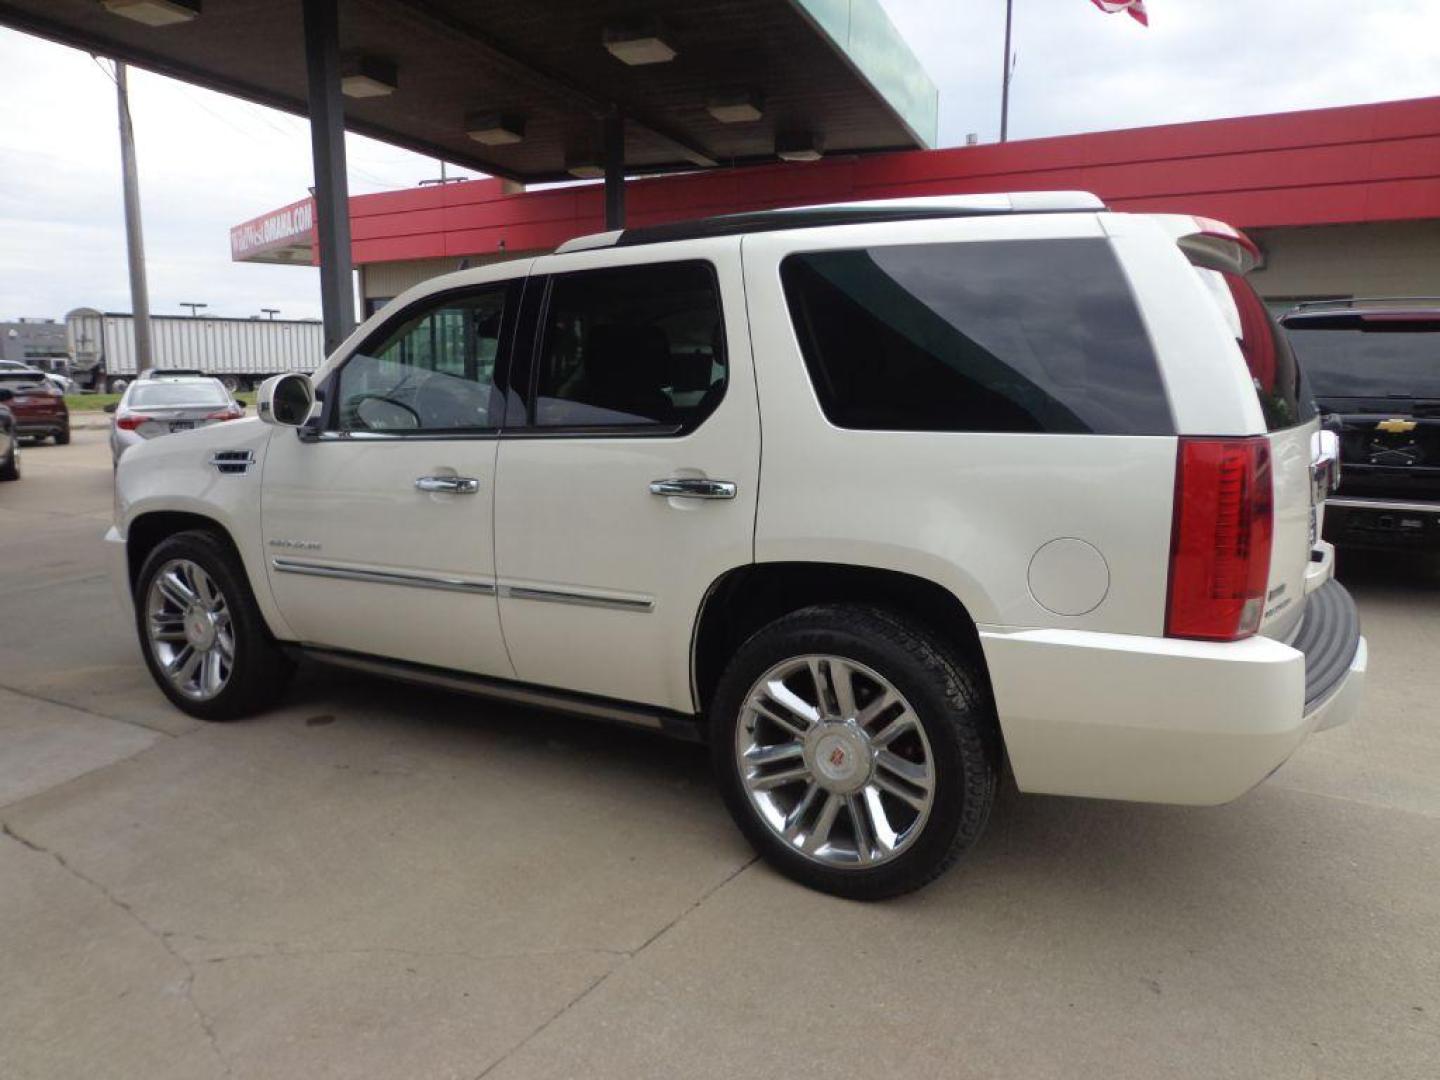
(871, 497)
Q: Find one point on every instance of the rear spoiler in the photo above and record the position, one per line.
(1210, 243)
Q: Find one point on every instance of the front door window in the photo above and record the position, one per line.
(434, 372)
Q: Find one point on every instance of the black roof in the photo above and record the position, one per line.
(855, 213)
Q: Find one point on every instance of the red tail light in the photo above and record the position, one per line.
(1220, 545)
(128, 421)
(227, 413)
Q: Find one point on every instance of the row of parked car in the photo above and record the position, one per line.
(160, 402)
(32, 406)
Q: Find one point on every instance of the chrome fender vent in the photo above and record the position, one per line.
(231, 462)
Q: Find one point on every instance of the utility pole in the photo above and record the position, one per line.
(1005, 76)
(271, 311)
(193, 307)
(134, 232)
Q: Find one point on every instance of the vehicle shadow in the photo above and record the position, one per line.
(1368, 572)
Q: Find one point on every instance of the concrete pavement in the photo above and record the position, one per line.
(374, 881)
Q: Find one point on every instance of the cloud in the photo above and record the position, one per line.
(1081, 70)
(208, 162)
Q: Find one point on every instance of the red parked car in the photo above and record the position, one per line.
(39, 409)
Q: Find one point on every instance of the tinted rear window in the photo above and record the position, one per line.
(1006, 336)
(1379, 357)
(176, 395)
(1279, 384)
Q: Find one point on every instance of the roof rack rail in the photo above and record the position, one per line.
(1353, 300)
(850, 213)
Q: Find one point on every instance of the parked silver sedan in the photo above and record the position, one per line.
(167, 404)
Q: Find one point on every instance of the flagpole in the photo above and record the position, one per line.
(1005, 76)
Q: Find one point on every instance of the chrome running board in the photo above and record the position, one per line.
(676, 725)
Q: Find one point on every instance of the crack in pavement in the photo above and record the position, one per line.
(172, 940)
(625, 958)
(187, 986)
(268, 950)
(33, 696)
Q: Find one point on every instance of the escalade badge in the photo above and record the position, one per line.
(295, 545)
(1396, 426)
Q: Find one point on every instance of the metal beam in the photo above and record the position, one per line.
(555, 85)
(615, 171)
(327, 148)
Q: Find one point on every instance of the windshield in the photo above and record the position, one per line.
(176, 395)
(1389, 358)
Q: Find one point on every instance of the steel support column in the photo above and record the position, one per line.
(327, 148)
(615, 171)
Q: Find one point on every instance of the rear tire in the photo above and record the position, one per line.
(62, 437)
(10, 469)
(874, 785)
(231, 383)
(116, 385)
(201, 632)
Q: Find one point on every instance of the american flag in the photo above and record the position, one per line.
(1134, 8)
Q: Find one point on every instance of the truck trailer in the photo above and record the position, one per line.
(241, 353)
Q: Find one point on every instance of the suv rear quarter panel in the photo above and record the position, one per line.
(966, 510)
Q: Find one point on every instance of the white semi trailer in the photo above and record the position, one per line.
(241, 353)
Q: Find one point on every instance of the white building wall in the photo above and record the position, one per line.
(1391, 258)
(384, 280)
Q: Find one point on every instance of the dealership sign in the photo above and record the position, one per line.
(288, 227)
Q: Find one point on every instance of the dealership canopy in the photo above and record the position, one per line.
(528, 91)
(519, 90)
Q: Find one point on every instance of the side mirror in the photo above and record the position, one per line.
(112, 406)
(6, 395)
(285, 400)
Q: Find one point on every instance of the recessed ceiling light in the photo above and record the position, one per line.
(740, 107)
(491, 129)
(585, 169)
(368, 77)
(154, 12)
(637, 45)
(798, 146)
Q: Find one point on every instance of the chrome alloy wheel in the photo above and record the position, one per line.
(835, 761)
(188, 624)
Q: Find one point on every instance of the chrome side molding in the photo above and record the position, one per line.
(449, 583)
(557, 596)
(383, 577)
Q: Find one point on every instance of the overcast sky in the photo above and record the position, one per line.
(208, 162)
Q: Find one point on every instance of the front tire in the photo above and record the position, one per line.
(857, 751)
(204, 639)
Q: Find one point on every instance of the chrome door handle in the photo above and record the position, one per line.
(685, 487)
(448, 485)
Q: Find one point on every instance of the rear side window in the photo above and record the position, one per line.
(1005, 336)
(1279, 384)
(632, 347)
